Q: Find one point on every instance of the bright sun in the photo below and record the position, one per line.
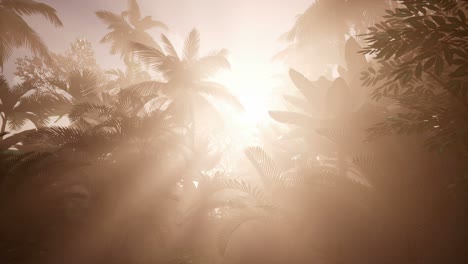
(252, 82)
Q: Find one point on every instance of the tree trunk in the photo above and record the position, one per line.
(3, 128)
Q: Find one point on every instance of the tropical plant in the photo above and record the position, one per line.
(333, 112)
(15, 32)
(279, 200)
(25, 102)
(186, 78)
(42, 73)
(126, 27)
(308, 38)
(421, 64)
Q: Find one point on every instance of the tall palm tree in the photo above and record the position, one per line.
(186, 77)
(15, 32)
(126, 27)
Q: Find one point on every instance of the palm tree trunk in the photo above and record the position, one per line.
(4, 123)
(192, 119)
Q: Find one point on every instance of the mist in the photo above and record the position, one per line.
(328, 131)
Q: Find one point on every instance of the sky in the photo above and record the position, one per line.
(249, 29)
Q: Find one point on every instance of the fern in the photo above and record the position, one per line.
(266, 167)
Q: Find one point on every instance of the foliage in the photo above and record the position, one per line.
(126, 27)
(309, 39)
(79, 57)
(16, 32)
(132, 178)
(25, 102)
(186, 77)
(421, 64)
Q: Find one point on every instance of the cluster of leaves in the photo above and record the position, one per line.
(46, 73)
(421, 58)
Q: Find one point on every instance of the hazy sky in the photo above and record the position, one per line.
(249, 29)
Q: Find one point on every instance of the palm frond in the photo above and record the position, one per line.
(148, 23)
(242, 187)
(220, 92)
(30, 7)
(111, 19)
(84, 108)
(192, 45)
(57, 135)
(82, 84)
(133, 12)
(233, 224)
(211, 64)
(266, 167)
(25, 36)
(151, 57)
(168, 47)
(145, 89)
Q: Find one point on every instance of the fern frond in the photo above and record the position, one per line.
(266, 167)
(232, 224)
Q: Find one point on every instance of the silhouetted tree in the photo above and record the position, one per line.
(126, 27)
(16, 32)
(185, 77)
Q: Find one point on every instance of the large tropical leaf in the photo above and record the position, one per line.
(297, 119)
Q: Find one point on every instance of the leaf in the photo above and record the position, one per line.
(439, 66)
(266, 167)
(428, 64)
(418, 70)
(299, 80)
(298, 119)
(192, 45)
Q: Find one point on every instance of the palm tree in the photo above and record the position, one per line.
(126, 27)
(185, 77)
(24, 102)
(15, 32)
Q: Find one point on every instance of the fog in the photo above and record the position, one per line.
(328, 131)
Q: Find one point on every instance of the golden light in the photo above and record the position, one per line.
(252, 82)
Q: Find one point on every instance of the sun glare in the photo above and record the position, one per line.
(251, 82)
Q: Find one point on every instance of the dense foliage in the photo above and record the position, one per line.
(122, 166)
